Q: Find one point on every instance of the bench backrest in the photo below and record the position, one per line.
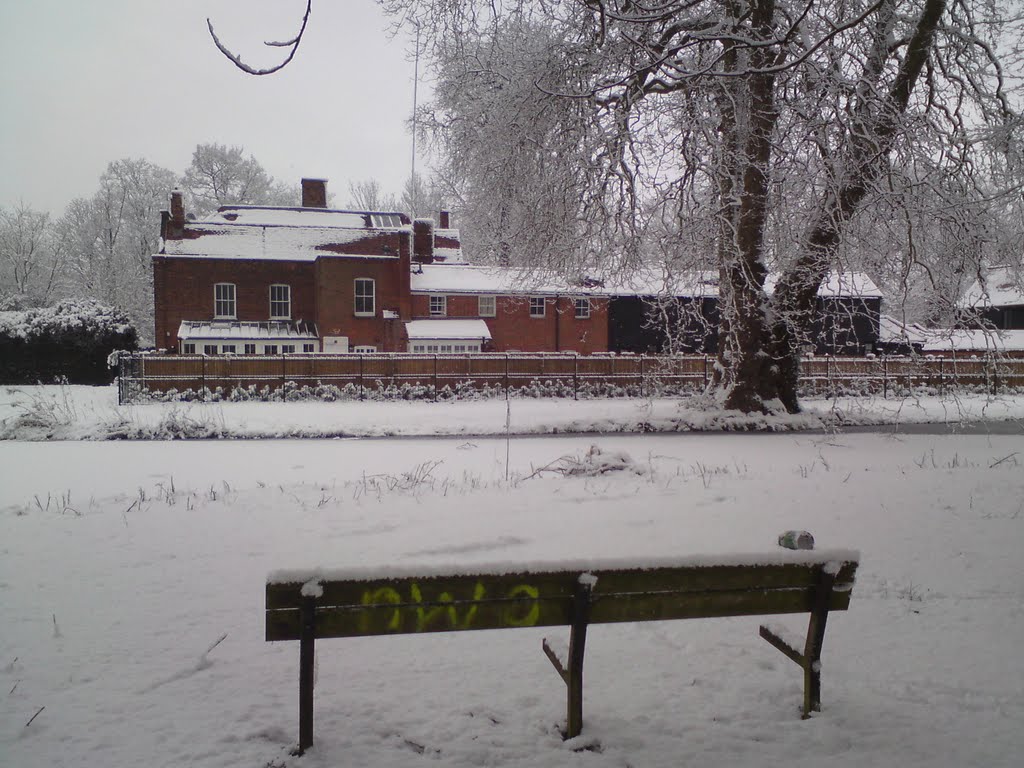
(352, 608)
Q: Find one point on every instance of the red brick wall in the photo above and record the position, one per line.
(512, 328)
(335, 278)
(183, 290)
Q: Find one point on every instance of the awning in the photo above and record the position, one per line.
(447, 329)
(217, 330)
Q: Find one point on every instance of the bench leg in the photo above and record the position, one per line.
(307, 652)
(810, 659)
(815, 640)
(573, 676)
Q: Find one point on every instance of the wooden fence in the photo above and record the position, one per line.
(566, 374)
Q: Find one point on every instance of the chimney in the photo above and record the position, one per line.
(172, 222)
(314, 193)
(423, 241)
(445, 221)
(177, 207)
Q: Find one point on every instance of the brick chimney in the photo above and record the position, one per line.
(423, 241)
(314, 193)
(172, 223)
(444, 221)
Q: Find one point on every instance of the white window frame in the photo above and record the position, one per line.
(308, 348)
(209, 349)
(538, 302)
(287, 349)
(228, 349)
(270, 349)
(188, 347)
(285, 303)
(581, 306)
(250, 349)
(364, 349)
(487, 306)
(363, 297)
(222, 301)
(438, 305)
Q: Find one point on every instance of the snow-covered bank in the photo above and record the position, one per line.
(92, 413)
(131, 585)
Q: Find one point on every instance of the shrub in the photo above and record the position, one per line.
(72, 340)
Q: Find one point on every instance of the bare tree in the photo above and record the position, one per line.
(110, 237)
(368, 195)
(223, 175)
(31, 257)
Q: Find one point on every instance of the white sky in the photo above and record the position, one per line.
(85, 83)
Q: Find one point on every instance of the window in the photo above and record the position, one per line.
(582, 309)
(227, 349)
(250, 349)
(308, 348)
(438, 305)
(287, 349)
(280, 301)
(486, 306)
(188, 348)
(270, 349)
(364, 349)
(209, 349)
(385, 220)
(536, 306)
(224, 300)
(365, 297)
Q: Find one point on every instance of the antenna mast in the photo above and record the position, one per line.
(414, 187)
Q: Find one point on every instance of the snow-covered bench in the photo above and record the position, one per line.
(312, 605)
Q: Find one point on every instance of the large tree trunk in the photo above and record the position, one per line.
(745, 375)
(768, 365)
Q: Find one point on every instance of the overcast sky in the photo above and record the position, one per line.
(85, 83)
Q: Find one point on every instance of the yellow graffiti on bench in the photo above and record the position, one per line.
(445, 607)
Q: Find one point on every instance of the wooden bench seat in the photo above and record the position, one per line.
(318, 605)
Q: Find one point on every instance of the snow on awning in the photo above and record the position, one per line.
(191, 330)
(447, 329)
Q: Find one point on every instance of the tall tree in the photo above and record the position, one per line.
(223, 175)
(111, 236)
(368, 195)
(31, 258)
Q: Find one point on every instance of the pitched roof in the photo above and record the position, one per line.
(1001, 286)
(227, 329)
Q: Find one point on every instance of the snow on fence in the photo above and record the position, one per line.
(438, 376)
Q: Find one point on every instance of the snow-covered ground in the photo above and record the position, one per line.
(132, 573)
(92, 413)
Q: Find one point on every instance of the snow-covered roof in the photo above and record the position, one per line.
(294, 217)
(998, 287)
(227, 240)
(461, 278)
(225, 329)
(891, 330)
(946, 340)
(464, 278)
(447, 329)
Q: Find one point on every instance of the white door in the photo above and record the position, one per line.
(336, 345)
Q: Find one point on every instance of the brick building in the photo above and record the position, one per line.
(310, 279)
(274, 280)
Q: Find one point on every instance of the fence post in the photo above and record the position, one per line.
(435, 378)
(885, 378)
(506, 375)
(202, 373)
